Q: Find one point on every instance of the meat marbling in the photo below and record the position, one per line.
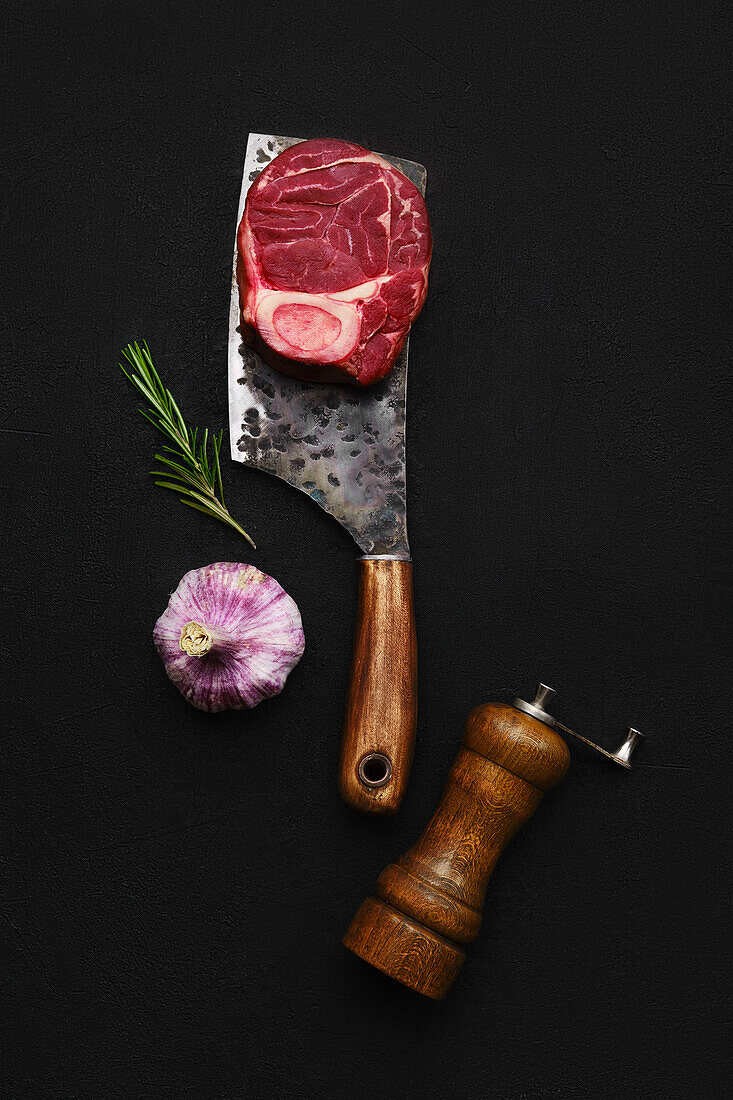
(333, 254)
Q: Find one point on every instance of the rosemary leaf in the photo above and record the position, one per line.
(173, 486)
(198, 474)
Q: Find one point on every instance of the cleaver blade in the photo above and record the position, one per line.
(345, 447)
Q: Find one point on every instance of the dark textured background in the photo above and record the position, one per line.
(174, 886)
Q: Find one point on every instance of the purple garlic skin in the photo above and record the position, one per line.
(229, 637)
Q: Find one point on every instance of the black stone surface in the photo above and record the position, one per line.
(175, 886)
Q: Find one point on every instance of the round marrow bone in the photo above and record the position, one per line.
(300, 326)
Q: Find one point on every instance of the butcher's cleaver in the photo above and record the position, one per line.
(345, 448)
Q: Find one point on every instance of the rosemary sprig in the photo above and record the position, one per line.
(188, 469)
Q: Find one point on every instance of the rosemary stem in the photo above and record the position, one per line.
(193, 475)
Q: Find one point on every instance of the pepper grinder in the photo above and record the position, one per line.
(428, 904)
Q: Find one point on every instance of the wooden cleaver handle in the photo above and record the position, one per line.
(381, 705)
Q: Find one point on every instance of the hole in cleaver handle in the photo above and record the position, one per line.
(381, 704)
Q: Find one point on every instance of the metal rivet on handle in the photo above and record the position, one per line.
(375, 769)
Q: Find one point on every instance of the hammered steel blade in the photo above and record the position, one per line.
(343, 446)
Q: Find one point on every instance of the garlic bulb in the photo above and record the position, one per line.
(229, 636)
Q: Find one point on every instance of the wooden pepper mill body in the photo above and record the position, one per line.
(428, 904)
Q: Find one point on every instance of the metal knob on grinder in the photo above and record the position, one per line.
(427, 905)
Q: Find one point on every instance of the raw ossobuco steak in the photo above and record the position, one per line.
(333, 254)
